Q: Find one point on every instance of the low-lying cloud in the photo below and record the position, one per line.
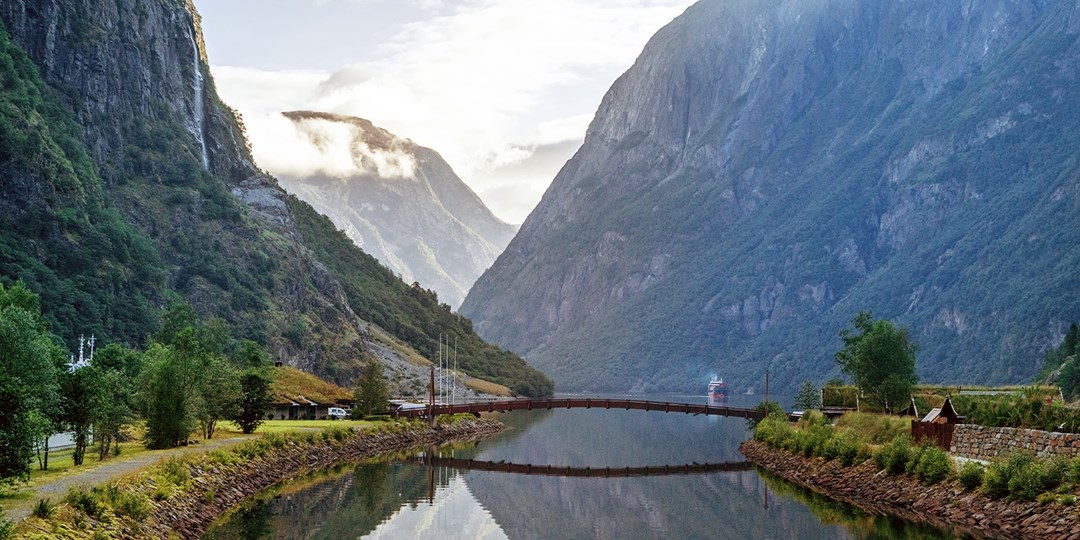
(483, 82)
(300, 147)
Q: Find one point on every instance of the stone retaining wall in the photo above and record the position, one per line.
(945, 505)
(215, 488)
(979, 442)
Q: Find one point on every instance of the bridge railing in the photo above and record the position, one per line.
(583, 403)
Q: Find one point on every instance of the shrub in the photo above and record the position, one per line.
(86, 501)
(1029, 481)
(913, 458)
(276, 440)
(175, 471)
(1058, 471)
(893, 457)
(1000, 473)
(7, 528)
(222, 457)
(44, 509)
(971, 475)
(934, 465)
(774, 432)
(874, 428)
(812, 440)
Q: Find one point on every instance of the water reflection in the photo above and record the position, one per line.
(414, 498)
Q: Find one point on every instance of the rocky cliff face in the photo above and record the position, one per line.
(403, 204)
(174, 161)
(168, 204)
(767, 169)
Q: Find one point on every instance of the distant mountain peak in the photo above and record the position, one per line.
(397, 200)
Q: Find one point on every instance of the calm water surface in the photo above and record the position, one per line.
(402, 497)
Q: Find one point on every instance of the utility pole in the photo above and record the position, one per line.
(431, 399)
(766, 391)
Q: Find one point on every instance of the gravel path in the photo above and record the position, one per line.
(18, 510)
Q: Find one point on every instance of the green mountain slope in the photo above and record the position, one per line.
(94, 272)
(128, 185)
(767, 170)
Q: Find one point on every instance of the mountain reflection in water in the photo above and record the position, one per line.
(406, 498)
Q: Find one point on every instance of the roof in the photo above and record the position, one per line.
(945, 411)
(292, 386)
(912, 410)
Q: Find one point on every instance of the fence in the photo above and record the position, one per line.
(939, 434)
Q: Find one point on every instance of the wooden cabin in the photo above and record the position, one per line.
(938, 425)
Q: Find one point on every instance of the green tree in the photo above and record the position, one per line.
(170, 396)
(29, 362)
(808, 396)
(119, 368)
(219, 393)
(79, 399)
(880, 359)
(372, 394)
(112, 410)
(255, 384)
(190, 383)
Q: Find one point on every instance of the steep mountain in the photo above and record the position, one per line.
(399, 201)
(126, 184)
(765, 170)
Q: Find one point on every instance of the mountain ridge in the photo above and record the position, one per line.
(765, 171)
(422, 221)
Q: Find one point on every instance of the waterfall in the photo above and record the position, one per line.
(200, 114)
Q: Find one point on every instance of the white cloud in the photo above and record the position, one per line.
(316, 146)
(481, 81)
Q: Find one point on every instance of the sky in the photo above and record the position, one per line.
(503, 89)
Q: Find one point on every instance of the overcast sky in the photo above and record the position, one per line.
(503, 89)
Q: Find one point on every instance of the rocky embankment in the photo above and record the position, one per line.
(946, 505)
(215, 487)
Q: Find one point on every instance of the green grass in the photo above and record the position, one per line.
(286, 426)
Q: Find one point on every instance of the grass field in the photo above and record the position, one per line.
(284, 426)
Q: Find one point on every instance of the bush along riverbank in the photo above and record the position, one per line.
(1017, 496)
(180, 498)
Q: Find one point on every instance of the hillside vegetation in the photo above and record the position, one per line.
(112, 209)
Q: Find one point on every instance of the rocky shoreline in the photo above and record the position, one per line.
(945, 505)
(216, 488)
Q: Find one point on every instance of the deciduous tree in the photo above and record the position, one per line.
(255, 383)
(880, 358)
(29, 361)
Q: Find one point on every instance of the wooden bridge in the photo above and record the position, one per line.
(580, 403)
(586, 472)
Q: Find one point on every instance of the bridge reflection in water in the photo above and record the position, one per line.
(585, 472)
(434, 461)
(431, 411)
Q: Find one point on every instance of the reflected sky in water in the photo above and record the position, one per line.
(454, 514)
(405, 498)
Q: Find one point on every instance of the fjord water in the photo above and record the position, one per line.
(401, 497)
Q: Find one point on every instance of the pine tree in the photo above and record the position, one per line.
(373, 394)
(808, 396)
